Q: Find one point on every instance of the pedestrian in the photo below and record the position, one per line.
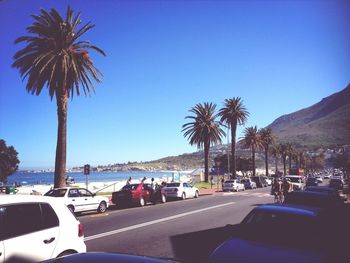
(128, 181)
(222, 182)
(211, 181)
(153, 184)
(143, 180)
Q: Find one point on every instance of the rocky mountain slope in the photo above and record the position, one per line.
(326, 123)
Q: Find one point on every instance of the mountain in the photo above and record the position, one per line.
(326, 123)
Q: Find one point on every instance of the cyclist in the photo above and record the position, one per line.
(286, 187)
(276, 191)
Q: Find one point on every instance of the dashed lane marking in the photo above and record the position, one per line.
(117, 231)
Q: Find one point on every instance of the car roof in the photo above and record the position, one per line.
(323, 188)
(289, 209)
(14, 199)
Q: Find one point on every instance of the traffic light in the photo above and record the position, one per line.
(86, 169)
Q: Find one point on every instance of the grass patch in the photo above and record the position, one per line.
(202, 185)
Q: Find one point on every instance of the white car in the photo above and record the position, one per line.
(180, 190)
(319, 179)
(80, 199)
(37, 228)
(268, 180)
(233, 185)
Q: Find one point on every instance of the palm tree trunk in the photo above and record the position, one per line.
(276, 167)
(61, 148)
(284, 165)
(290, 163)
(253, 159)
(233, 150)
(206, 161)
(266, 160)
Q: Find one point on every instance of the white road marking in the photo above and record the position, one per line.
(117, 231)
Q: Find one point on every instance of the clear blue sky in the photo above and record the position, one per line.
(163, 57)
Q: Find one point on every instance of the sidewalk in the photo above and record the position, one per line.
(208, 191)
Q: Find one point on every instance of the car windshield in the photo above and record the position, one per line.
(129, 187)
(309, 198)
(56, 192)
(173, 185)
(274, 227)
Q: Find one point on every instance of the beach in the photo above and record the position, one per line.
(103, 186)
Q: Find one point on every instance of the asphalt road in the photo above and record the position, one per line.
(156, 230)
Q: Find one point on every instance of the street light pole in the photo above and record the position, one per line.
(228, 152)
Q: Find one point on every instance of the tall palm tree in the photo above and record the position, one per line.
(267, 139)
(275, 152)
(290, 153)
(56, 57)
(253, 141)
(203, 130)
(233, 113)
(284, 153)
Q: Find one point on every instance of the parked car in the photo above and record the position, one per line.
(36, 228)
(233, 185)
(311, 181)
(297, 181)
(248, 184)
(268, 180)
(180, 190)
(138, 194)
(80, 199)
(329, 190)
(260, 181)
(336, 183)
(319, 179)
(327, 176)
(283, 233)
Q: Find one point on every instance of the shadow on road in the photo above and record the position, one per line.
(196, 247)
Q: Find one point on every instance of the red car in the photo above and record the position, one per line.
(138, 194)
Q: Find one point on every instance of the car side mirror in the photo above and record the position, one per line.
(94, 194)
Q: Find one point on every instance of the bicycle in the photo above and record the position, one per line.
(278, 197)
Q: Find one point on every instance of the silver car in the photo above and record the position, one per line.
(233, 185)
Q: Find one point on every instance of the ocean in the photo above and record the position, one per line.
(30, 178)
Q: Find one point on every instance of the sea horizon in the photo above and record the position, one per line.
(33, 178)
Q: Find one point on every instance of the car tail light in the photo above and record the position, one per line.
(80, 230)
(176, 189)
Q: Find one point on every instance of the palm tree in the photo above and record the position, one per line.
(290, 153)
(253, 141)
(267, 138)
(233, 113)
(284, 153)
(203, 130)
(275, 152)
(55, 57)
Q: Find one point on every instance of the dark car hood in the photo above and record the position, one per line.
(247, 251)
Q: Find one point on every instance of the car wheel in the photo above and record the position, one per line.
(196, 194)
(183, 196)
(71, 208)
(142, 201)
(163, 199)
(102, 207)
